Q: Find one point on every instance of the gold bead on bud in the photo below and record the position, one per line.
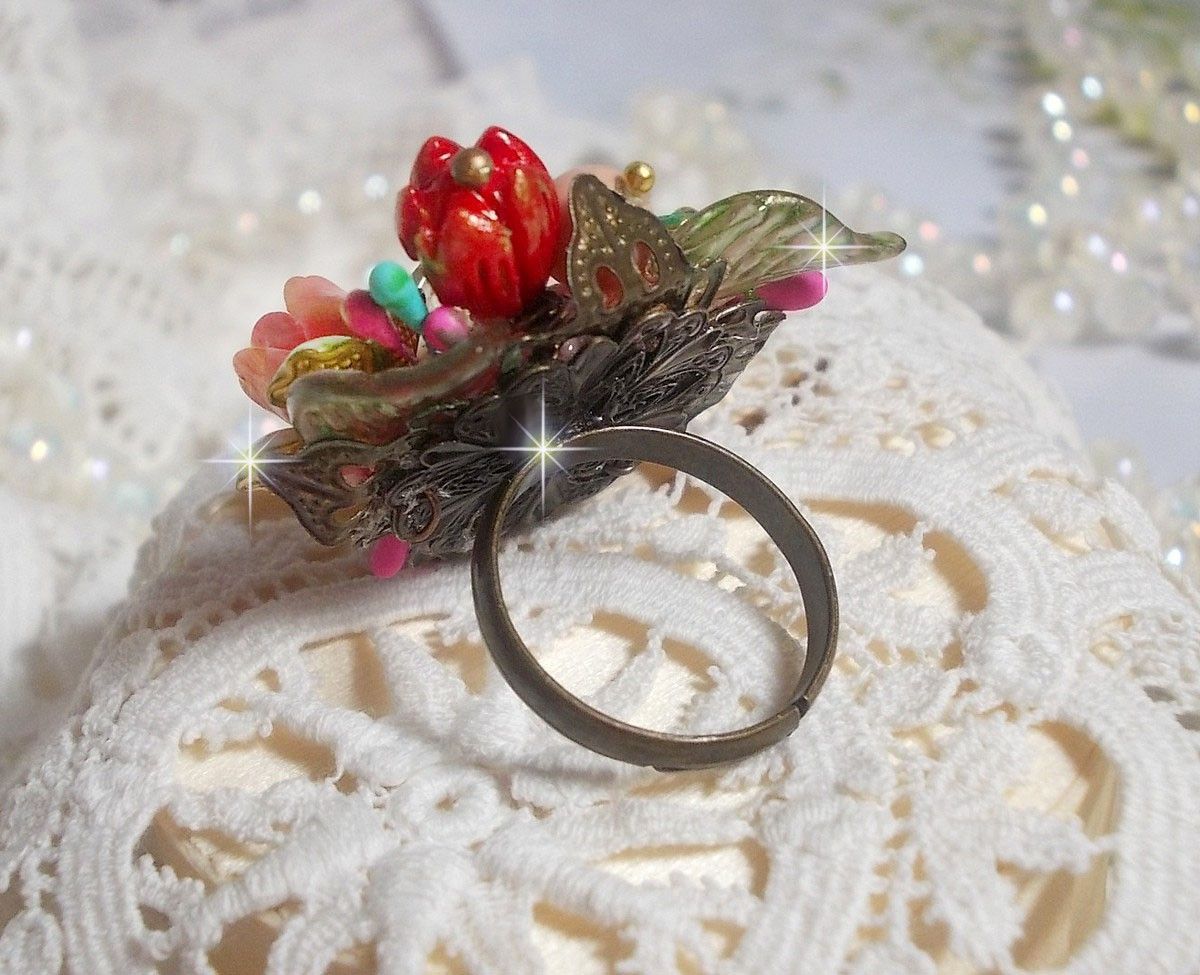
(638, 178)
(471, 166)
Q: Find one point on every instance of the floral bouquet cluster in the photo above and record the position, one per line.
(538, 308)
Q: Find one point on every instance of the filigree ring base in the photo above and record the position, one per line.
(761, 499)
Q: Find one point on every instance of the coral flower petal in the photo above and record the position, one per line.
(276, 330)
(255, 368)
(316, 303)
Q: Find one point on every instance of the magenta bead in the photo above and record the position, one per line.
(356, 474)
(388, 556)
(367, 320)
(443, 327)
(798, 292)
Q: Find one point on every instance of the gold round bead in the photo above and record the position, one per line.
(471, 166)
(638, 178)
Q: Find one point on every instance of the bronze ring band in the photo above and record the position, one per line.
(762, 500)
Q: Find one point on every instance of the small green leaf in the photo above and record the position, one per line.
(768, 235)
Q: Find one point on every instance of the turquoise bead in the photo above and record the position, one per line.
(393, 288)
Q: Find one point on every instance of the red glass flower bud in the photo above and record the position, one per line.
(483, 221)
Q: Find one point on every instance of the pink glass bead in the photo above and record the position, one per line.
(367, 320)
(356, 474)
(798, 292)
(388, 556)
(443, 327)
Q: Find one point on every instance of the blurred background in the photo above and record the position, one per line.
(166, 164)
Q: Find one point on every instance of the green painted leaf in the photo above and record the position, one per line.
(375, 408)
(767, 235)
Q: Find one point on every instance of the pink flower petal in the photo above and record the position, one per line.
(255, 369)
(388, 556)
(796, 293)
(367, 320)
(276, 330)
(316, 303)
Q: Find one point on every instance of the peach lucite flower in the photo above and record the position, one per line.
(316, 309)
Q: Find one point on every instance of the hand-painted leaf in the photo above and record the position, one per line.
(767, 235)
(326, 352)
(375, 408)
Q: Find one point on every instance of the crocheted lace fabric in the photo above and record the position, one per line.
(280, 763)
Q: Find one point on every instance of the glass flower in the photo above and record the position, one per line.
(324, 327)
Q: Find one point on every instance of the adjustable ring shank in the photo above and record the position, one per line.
(600, 732)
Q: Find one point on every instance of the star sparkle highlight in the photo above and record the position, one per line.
(543, 445)
(249, 462)
(824, 247)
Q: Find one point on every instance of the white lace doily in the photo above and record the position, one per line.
(280, 763)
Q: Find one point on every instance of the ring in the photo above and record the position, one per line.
(420, 407)
(593, 729)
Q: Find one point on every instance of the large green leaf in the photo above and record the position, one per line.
(375, 408)
(767, 235)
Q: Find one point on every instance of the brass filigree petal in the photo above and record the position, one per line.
(621, 260)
